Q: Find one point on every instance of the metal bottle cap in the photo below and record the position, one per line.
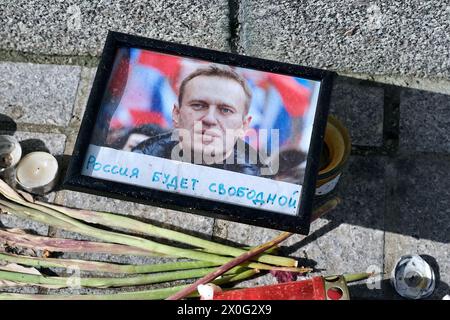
(413, 277)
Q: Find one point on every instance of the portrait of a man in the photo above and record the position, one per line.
(210, 119)
(204, 128)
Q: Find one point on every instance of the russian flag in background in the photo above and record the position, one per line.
(149, 96)
(278, 102)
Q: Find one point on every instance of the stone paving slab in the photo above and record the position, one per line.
(404, 38)
(95, 291)
(360, 107)
(38, 94)
(422, 210)
(36, 141)
(79, 27)
(424, 121)
(349, 239)
(20, 289)
(12, 221)
(112, 258)
(84, 89)
(122, 259)
(391, 206)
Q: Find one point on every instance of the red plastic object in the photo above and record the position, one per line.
(311, 289)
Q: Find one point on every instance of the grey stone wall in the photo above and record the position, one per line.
(372, 37)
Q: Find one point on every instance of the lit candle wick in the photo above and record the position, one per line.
(37, 172)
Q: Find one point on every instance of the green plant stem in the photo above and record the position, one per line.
(69, 224)
(137, 280)
(353, 277)
(117, 221)
(38, 262)
(154, 294)
(19, 238)
(229, 265)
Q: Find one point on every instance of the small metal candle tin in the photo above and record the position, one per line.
(10, 152)
(39, 190)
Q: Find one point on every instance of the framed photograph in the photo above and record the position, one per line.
(203, 131)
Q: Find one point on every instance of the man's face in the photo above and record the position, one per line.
(212, 113)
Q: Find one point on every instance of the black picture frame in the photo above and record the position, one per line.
(299, 223)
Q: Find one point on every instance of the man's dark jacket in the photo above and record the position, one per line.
(162, 146)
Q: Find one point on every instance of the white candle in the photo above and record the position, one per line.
(37, 172)
(10, 152)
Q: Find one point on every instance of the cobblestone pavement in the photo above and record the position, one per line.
(396, 187)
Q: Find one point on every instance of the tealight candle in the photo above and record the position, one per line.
(10, 152)
(37, 172)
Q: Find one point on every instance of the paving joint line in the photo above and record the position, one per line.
(234, 23)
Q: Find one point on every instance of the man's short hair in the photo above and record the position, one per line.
(218, 71)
